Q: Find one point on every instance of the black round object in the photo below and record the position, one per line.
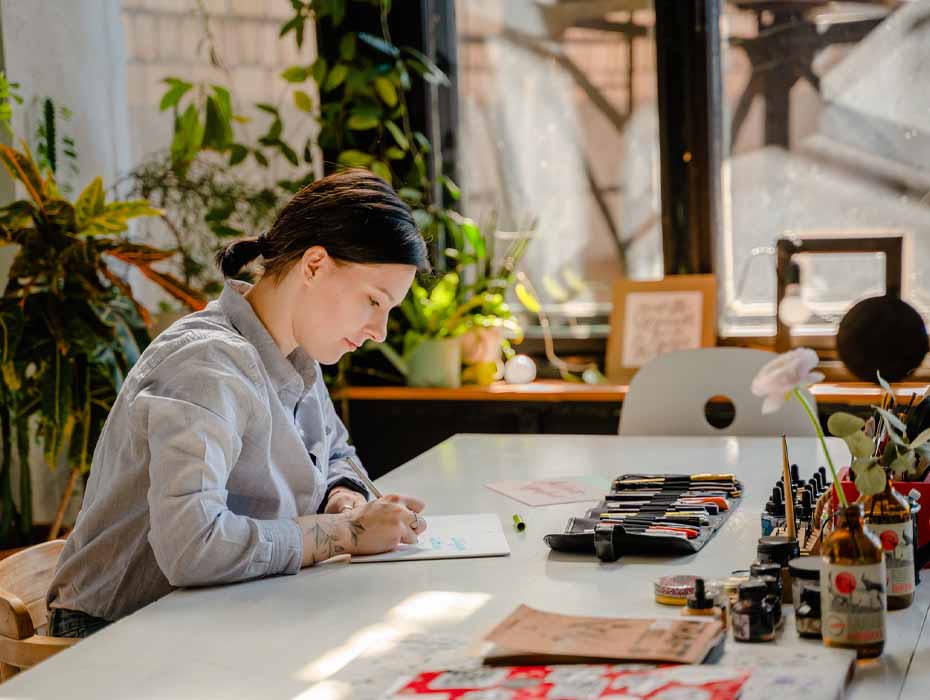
(882, 334)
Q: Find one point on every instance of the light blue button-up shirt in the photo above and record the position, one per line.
(216, 442)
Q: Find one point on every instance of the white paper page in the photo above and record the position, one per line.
(451, 537)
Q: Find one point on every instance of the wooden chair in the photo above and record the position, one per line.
(24, 582)
(668, 396)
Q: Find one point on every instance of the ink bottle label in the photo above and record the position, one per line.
(898, 544)
(853, 603)
(741, 626)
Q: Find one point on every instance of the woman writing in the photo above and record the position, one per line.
(222, 458)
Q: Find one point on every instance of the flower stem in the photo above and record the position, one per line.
(823, 443)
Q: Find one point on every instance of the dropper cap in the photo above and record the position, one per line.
(700, 601)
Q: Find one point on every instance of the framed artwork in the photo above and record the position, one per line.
(652, 318)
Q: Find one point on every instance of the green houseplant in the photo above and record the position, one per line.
(356, 103)
(469, 299)
(881, 445)
(355, 97)
(70, 327)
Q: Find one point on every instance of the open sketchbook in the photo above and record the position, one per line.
(451, 537)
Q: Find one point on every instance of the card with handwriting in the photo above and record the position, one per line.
(547, 492)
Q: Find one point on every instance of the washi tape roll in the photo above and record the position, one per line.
(674, 590)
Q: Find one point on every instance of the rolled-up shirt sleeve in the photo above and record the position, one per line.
(194, 419)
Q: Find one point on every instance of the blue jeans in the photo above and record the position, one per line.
(73, 623)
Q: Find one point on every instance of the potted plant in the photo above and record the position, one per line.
(70, 327)
(465, 310)
(892, 444)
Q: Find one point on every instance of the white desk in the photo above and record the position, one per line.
(288, 637)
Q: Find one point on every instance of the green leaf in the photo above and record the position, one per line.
(423, 219)
(859, 444)
(336, 77)
(443, 294)
(217, 132)
(422, 142)
(409, 194)
(288, 153)
(889, 454)
(920, 439)
(403, 75)
(379, 44)
(303, 102)
(318, 70)
(273, 135)
(347, 47)
(260, 158)
(116, 216)
(904, 463)
(897, 439)
(355, 159)
(295, 74)
(237, 153)
(386, 91)
(842, 424)
(394, 153)
(224, 231)
(21, 167)
(291, 25)
(89, 203)
(360, 122)
(885, 385)
(265, 107)
(526, 298)
(474, 237)
(174, 94)
(188, 137)
(891, 420)
(398, 135)
(451, 187)
(425, 66)
(223, 102)
(381, 169)
(870, 479)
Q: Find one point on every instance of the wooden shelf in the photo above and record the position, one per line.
(552, 391)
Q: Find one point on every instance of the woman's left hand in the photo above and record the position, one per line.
(341, 499)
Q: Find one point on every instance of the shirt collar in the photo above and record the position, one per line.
(298, 367)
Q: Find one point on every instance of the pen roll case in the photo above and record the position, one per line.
(610, 540)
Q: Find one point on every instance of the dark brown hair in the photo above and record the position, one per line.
(353, 214)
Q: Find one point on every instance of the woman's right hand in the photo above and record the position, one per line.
(372, 528)
(380, 525)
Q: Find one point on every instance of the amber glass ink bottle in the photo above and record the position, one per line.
(852, 586)
(888, 515)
